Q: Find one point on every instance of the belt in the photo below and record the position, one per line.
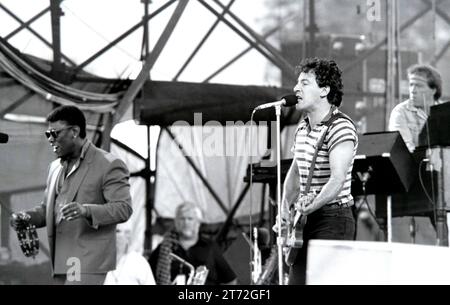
(337, 205)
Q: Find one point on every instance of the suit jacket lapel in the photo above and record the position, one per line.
(50, 205)
(80, 173)
(54, 174)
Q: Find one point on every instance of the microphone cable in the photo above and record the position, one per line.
(364, 200)
(422, 184)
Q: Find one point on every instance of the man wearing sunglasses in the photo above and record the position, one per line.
(87, 194)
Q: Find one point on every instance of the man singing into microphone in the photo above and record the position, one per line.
(327, 138)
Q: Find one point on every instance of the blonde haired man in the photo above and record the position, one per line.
(185, 242)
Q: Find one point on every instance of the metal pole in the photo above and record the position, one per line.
(389, 219)
(27, 23)
(279, 238)
(278, 61)
(39, 36)
(137, 84)
(441, 212)
(197, 171)
(57, 66)
(148, 198)
(202, 42)
(312, 28)
(234, 59)
(122, 36)
(376, 47)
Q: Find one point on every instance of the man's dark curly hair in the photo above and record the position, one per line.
(327, 74)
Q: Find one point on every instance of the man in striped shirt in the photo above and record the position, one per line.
(329, 214)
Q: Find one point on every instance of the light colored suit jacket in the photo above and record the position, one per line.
(101, 181)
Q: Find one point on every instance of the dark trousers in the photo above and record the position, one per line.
(336, 223)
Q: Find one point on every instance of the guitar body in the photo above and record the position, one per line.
(294, 241)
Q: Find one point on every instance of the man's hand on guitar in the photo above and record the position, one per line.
(305, 203)
(283, 225)
(284, 216)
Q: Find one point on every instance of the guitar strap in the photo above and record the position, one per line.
(336, 114)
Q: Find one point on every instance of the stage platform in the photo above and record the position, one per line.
(336, 262)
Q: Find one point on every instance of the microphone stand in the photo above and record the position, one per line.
(279, 238)
(184, 262)
(278, 153)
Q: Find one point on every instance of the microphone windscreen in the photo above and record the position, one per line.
(290, 99)
(4, 138)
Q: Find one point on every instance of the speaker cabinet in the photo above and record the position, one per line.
(238, 257)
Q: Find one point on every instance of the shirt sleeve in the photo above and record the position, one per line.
(144, 274)
(341, 130)
(299, 127)
(292, 150)
(116, 194)
(397, 122)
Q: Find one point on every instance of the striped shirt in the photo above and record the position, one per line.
(305, 142)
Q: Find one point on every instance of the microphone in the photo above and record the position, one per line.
(3, 138)
(287, 101)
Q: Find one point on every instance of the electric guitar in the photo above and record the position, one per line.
(294, 240)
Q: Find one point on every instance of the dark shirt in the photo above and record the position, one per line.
(205, 253)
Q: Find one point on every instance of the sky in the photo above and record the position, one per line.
(89, 25)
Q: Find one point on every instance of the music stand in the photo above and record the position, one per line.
(383, 165)
(436, 131)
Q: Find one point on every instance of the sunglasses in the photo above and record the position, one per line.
(55, 133)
